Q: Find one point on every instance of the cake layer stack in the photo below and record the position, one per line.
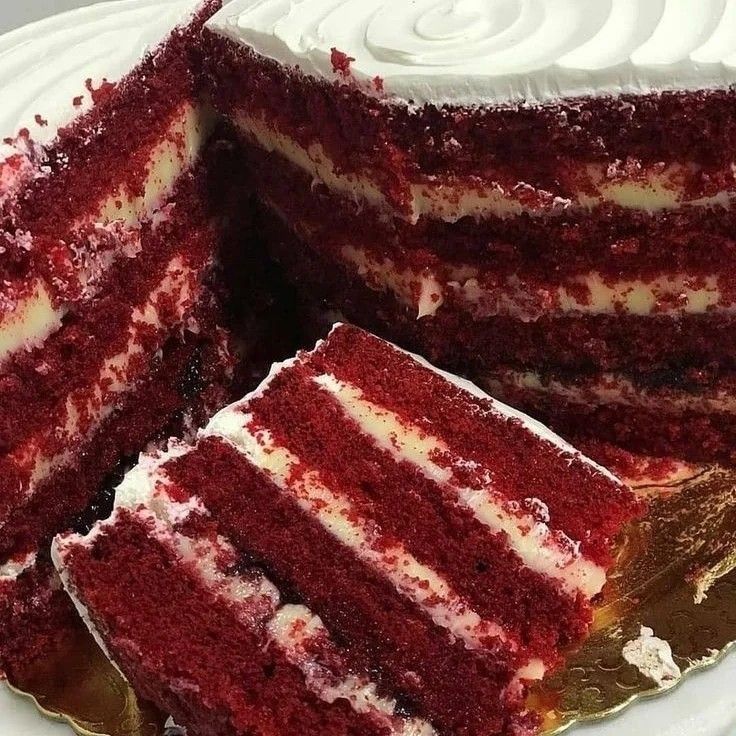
(364, 545)
(108, 320)
(538, 195)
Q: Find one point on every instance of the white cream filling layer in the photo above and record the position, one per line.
(13, 569)
(29, 322)
(87, 407)
(539, 545)
(652, 192)
(297, 632)
(588, 294)
(175, 153)
(335, 512)
(422, 291)
(613, 389)
(35, 317)
(534, 426)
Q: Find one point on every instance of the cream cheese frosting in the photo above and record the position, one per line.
(658, 191)
(506, 51)
(44, 66)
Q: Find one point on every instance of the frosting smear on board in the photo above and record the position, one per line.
(480, 52)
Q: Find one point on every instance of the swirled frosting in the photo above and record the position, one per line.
(44, 66)
(497, 51)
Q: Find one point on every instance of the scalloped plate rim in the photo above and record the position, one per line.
(700, 665)
(52, 715)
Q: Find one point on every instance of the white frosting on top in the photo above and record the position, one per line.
(497, 51)
(44, 66)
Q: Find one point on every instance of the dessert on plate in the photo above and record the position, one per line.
(362, 545)
(538, 195)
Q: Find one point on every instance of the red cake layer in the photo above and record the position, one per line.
(687, 415)
(62, 384)
(149, 411)
(187, 382)
(38, 380)
(451, 339)
(614, 241)
(109, 147)
(36, 617)
(208, 670)
(537, 145)
(368, 488)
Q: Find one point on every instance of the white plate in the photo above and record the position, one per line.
(703, 705)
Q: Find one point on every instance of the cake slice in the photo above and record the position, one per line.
(364, 545)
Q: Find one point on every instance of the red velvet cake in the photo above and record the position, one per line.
(109, 314)
(497, 186)
(536, 195)
(364, 545)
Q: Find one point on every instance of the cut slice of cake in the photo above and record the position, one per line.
(364, 545)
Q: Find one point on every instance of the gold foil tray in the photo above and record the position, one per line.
(675, 574)
(77, 684)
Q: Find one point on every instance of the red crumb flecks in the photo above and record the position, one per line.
(340, 62)
(42, 122)
(100, 93)
(89, 158)
(77, 101)
(378, 84)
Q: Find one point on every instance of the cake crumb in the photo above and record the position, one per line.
(340, 62)
(652, 656)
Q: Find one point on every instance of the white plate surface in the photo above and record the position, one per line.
(703, 705)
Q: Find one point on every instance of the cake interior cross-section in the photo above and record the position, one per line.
(112, 305)
(362, 545)
(544, 194)
(538, 197)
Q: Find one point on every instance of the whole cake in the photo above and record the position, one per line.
(539, 194)
(364, 545)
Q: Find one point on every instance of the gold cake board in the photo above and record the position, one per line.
(675, 573)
